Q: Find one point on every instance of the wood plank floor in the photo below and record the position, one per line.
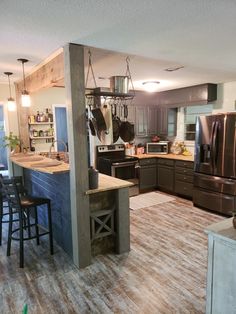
(165, 271)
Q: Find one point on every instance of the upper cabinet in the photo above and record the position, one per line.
(146, 120)
(141, 121)
(193, 95)
(131, 114)
(166, 121)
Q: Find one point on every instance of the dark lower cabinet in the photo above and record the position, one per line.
(147, 174)
(184, 178)
(165, 170)
(169, 175)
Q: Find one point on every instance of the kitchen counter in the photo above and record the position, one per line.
(33, 160)
(223, 229)
(108, 206)
(107, 183)
(167, 156)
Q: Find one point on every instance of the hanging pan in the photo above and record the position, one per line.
(92, 126)
(100, 121)
(115, 124)
(126, 128)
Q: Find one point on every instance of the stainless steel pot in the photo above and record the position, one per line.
(119, 84)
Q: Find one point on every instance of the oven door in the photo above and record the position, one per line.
(129, 171)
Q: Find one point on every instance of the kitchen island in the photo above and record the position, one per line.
(109, 205)
(221, 276)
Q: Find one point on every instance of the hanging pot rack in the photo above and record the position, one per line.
(111, 97)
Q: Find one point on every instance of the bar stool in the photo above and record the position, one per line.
(4, 208)
(23, 205)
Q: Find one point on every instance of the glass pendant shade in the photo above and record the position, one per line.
(25, 99)
(11, 105)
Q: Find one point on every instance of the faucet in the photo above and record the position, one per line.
(66, 157)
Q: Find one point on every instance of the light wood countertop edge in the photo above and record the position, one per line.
(165, 156)
(107, 183)
(62, 168)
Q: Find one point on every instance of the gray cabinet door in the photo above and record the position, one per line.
(152, 120)
(172, 121)
(147, 177)
(141, 121)
(166, 121)
(162, 121)
(165, 179)
(131, 114)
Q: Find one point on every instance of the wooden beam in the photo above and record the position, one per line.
(78, 148)
(48, 75)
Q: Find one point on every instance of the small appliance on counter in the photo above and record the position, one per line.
(161, 147)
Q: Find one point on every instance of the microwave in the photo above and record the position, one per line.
(161, 147)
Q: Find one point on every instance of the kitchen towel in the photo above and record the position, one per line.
(148, 199)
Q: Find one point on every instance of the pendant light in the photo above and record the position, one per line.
(25, 98)
(11, 105)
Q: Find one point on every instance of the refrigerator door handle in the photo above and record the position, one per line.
(212, 145)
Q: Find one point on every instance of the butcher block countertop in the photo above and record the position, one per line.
(106, 183)
(167, 156)
(39, 163)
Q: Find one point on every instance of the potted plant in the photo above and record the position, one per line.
(13, 142)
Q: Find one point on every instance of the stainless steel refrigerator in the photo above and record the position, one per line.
(215, 163)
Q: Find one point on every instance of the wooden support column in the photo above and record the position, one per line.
(123, 221)
(78, 150)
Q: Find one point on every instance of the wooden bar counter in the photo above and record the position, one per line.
(109, 205)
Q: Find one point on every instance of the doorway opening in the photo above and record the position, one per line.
(60, 127)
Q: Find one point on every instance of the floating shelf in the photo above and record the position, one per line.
(40, 137)
(40, 123)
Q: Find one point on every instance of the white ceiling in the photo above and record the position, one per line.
(156, 34)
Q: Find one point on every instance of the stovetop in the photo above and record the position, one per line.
(113, 153)
(115, 159)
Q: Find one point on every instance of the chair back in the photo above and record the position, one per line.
(10, 191)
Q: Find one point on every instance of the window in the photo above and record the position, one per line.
(190, 115)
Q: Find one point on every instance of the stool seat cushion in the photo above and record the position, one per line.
(30, 201)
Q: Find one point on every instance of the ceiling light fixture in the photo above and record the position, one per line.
(25, 98)
(11, 105)
(151, 86)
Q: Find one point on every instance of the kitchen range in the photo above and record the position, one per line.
(111, 160)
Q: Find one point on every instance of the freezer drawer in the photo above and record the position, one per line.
(213, 183)
(214, 201)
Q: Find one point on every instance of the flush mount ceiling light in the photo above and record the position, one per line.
(11, 105)
(25, 98)
(151, 86)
